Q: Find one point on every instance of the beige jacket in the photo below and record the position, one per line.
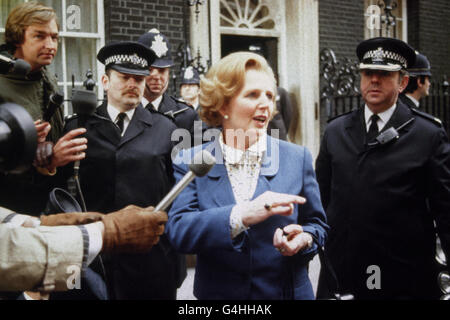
(42, 258)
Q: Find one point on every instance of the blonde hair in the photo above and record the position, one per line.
(224, 80)
(23, 16)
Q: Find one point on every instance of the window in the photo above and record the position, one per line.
(375, 17)
(249, 17)
(81, 36)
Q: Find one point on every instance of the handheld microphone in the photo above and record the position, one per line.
(55, 101)
(84, 103)
(19, 66)
(203, 162)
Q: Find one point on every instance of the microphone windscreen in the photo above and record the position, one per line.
(201, 164)
(21, 67)
(84, 102)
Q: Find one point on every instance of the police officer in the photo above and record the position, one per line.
(384, 194)
(190, 87)
(419, 82)
(128, 162)
(156, 84)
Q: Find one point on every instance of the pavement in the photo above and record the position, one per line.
(185, 292)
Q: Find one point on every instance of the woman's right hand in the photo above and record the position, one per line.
(266, 205)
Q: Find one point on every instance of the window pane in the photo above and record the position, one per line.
(373, 21)
(6, 7)
(57, 6)
(81, 56)
(81, 16)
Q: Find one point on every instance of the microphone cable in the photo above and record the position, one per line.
(76, 170)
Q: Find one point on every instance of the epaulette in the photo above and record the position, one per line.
(425, 115)
(184, 102)
(339, 115)
(179, 100)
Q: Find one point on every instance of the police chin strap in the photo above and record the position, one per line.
(389, 135)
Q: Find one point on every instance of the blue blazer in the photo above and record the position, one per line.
(248, 267)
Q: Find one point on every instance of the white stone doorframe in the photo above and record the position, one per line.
(298, 58)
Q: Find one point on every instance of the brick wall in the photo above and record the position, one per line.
(428, 32)
(126, 20)
(341, 26)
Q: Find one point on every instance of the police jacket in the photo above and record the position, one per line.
(382, 202)
(133, 169)
(182, 114)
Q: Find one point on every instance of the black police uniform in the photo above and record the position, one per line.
(134, 169)
(183, 114)
(421, 67)
(382, 202)
(407, 101)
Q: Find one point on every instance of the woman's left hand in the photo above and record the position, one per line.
(291, 239)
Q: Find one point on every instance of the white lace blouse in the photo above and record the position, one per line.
(243, 169)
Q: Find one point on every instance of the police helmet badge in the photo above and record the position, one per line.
(159, 46)
(189, 73)
(159, 43)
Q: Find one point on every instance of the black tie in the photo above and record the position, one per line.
(120, 119)
(150, 106)
(373, 129)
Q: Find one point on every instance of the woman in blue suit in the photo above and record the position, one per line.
(251, 220)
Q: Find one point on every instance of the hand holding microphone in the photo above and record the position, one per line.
(71, 147)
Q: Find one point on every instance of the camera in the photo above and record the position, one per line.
(18, 138)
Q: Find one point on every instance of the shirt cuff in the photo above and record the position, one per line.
(236, 225)
(95, 242)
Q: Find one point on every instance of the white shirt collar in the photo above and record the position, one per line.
(384, 116)
(114, 112)
(417, 103)
(255, 152)
(144, 102)
(155, 102)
